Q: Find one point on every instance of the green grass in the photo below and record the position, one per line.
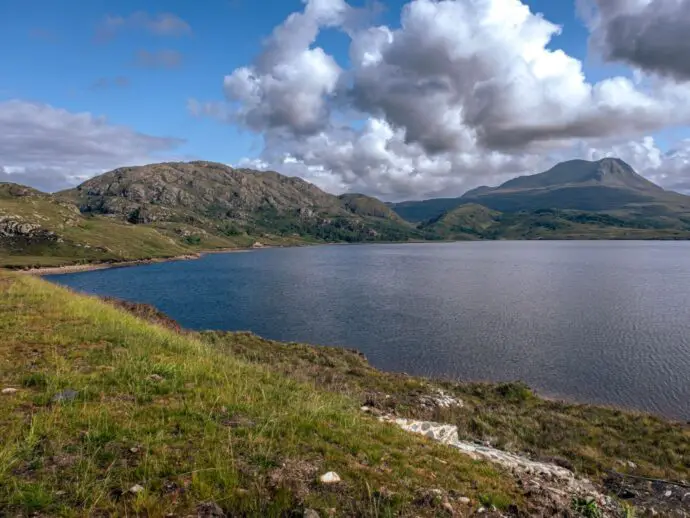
(191, 423)
(588, 439)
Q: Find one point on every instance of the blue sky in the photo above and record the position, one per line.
(55, 59)
(121, 62)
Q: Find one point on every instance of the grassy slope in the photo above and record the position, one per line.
(213, 427)
(590, 439)
(102, 239)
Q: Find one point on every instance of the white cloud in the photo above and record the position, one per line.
(287, 85)
(463, 92)
(51, 148)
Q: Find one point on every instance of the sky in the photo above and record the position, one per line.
(400, 99)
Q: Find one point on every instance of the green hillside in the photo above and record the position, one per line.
(173, 209)
(105, 414)
(225, 201)
(608, 186)
(167, 210)
(474, 221)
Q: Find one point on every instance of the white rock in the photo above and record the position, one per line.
(310, 513)
(136, 489)
(668, 494)
(464, 500)
(9, 391)
(330, 478)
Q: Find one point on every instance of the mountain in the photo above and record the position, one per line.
(419, 211)
(608, 185)
(161, 210)
(225, 201)
(172, 209)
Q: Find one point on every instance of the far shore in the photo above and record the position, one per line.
(87, 267)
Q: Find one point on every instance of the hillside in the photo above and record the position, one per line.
(472, 222)
(610, 186)
(172, 209)
(116, 404)
(226, 201)
(38, 229)
(420, 211)
(176, 209)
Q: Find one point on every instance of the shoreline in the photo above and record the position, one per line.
(87, 267)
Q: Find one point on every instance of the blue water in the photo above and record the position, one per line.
(603, 322)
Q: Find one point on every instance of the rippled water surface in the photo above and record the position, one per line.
(605, 322)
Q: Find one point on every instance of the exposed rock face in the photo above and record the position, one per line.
(13, 227)
(162, 191)
(221, 199)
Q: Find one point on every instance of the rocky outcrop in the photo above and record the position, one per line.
(222, 199)
(560, 486)
(15, 228)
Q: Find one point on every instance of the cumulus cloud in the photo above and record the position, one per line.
(160, 24)
(158, 59)
(648, 34)
(461, 93)
(51, 148)
(288, 84)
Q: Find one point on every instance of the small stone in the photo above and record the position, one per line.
(156, 377)
(448, 508)
(364, 409)
(686, 497)
(136, 489)
(464, 500)
(210, 510)
(9, 391)
(310, 513)
(667, 494)
(631, 464)
(65, 395)
(60, 493)
(330, 478)
(134, 450)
